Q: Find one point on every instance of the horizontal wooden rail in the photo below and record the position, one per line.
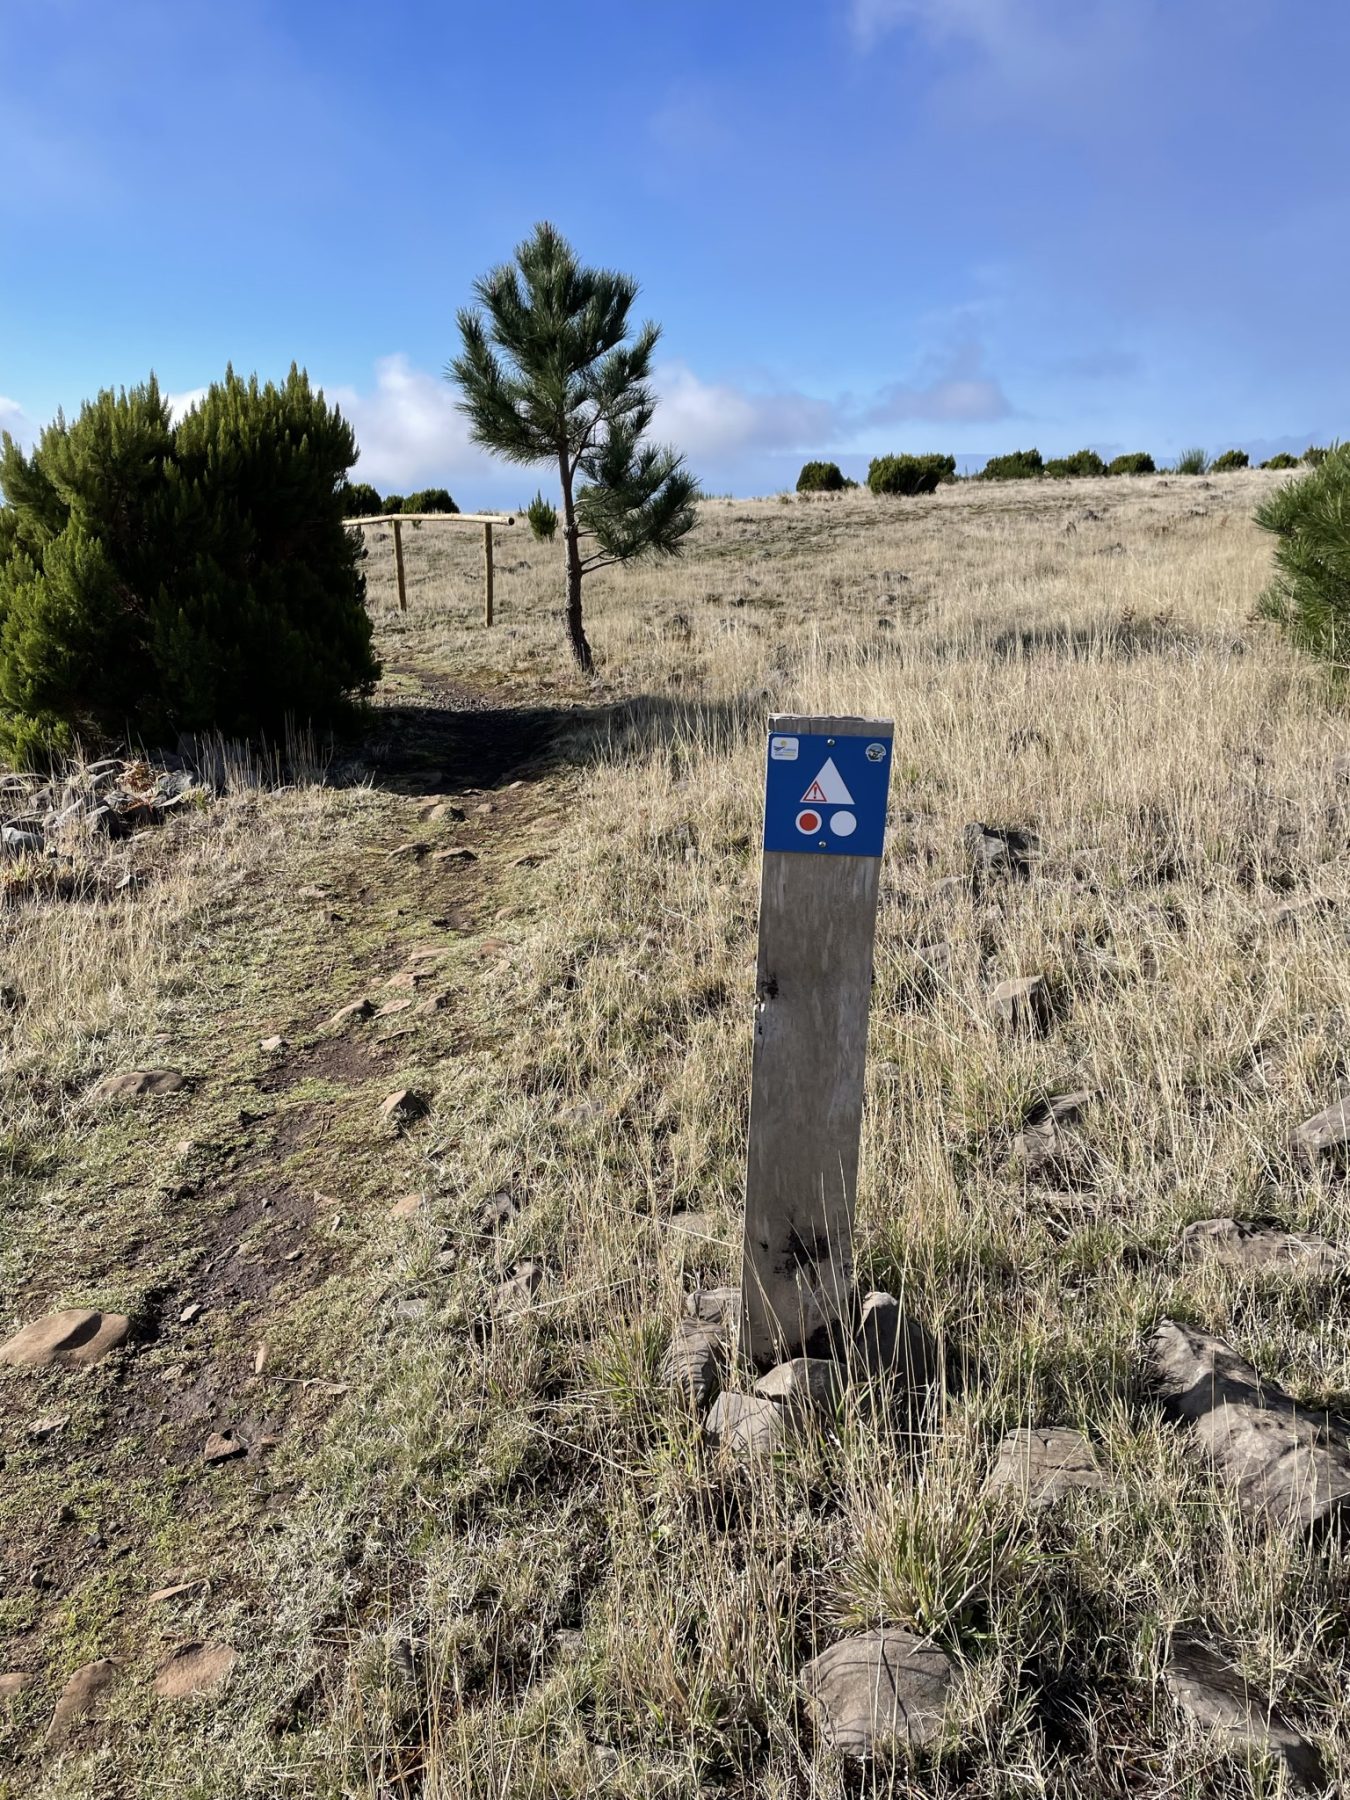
(434, 519)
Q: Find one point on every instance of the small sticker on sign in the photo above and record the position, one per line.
(875, 753)
(783, 749)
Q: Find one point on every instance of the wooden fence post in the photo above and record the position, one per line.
(824, 825)
(398, 566)
(487, 574)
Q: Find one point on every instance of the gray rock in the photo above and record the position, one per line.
(895, 1349)
(1000, 849)
(16, 840)
(1324, 1131)
(1234, 1713)
(807, 1385)
(877, 1688)
(72, 1339)
(517, 1292)
(694, 1360)
(1289, 1465)
(715, 1306)
(1043, 1463)
(1258, 1249)
(1043, 1147)
(745, 1425)
(1024, 1003)
(135, 1084)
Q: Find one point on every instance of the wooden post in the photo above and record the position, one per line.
(825, 809)
(487, 574)
(398, 566)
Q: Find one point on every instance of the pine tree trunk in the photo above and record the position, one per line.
(576, 631)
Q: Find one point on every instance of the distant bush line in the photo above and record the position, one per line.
(909, 474)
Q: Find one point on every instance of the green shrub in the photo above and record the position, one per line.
(393, 503)
(1191, 462)
(1231, 459)
(158, 577)
(820, 478)
(1017, 465)
(359, 500)
(1310, 595)
(909, 474)
(542, 517)
(1133, 462)
(1280, 460)
(1072, 468)
(1315, 455)
(432, 500)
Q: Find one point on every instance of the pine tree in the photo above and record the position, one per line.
(548, 375)
(159, 577)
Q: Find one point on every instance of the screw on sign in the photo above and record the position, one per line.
(826, 782)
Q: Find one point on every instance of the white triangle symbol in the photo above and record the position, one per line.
(828, 788)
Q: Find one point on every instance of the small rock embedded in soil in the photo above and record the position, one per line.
(1324, 1131)
(80, 1697)
(223, 1446)
(806, 1386)
(518, 1290)
(194, 1669)
(693, 1361)
(1043, 1148)
(744, 1424)
(1024, 1003)
(403, 1107)
(1289, 1465)
(497, 1212)
(1259, 1248)
(1000, 849)
(877, 1688)
(1042, 1464)
(13, 1683)
(72, 1339)
(714, 1306)
(458, 854)
(135, 1084)
(354, 1009)
(895, 1348)
(189, 1312)
(408, 1207)
(272, 1044)
(1238, 1716)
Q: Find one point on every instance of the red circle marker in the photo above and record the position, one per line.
(808, 822)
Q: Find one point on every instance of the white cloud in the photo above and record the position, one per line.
(409, 429)
(958, 392)
(16, 422)
(178, 404)
(717, 420)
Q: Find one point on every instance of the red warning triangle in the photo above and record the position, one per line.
(828, 788)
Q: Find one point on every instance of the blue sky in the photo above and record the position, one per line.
(865, 225)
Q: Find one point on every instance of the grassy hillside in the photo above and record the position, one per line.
(472, 1545)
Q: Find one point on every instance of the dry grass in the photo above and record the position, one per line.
(501, 1563)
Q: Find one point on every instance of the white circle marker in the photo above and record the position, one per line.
(808, 822)
(843, 824)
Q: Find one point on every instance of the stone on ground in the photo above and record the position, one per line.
(1324, 1131)
(408, 1207)
(13, 1682)
(193, 1669)
(1289, 1465)
(894, 1348)
(715, 1306)
(72, 1339)
(403, 1107)
(79, 1698)
(354, 1009)
(877, 1688)
(1043, 1148)
(518, 1290)
(223, 1446)
(1024, 1003)
(497, 1212)
(1041, 1464)
(272, 1044)
(804, 1386)
(744, 1425)
(693, 1360)
(1237, 1715)
(1000, 849)
(135, 1084)
(1258, 1248)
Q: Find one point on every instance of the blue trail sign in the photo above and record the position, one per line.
(825, 795)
